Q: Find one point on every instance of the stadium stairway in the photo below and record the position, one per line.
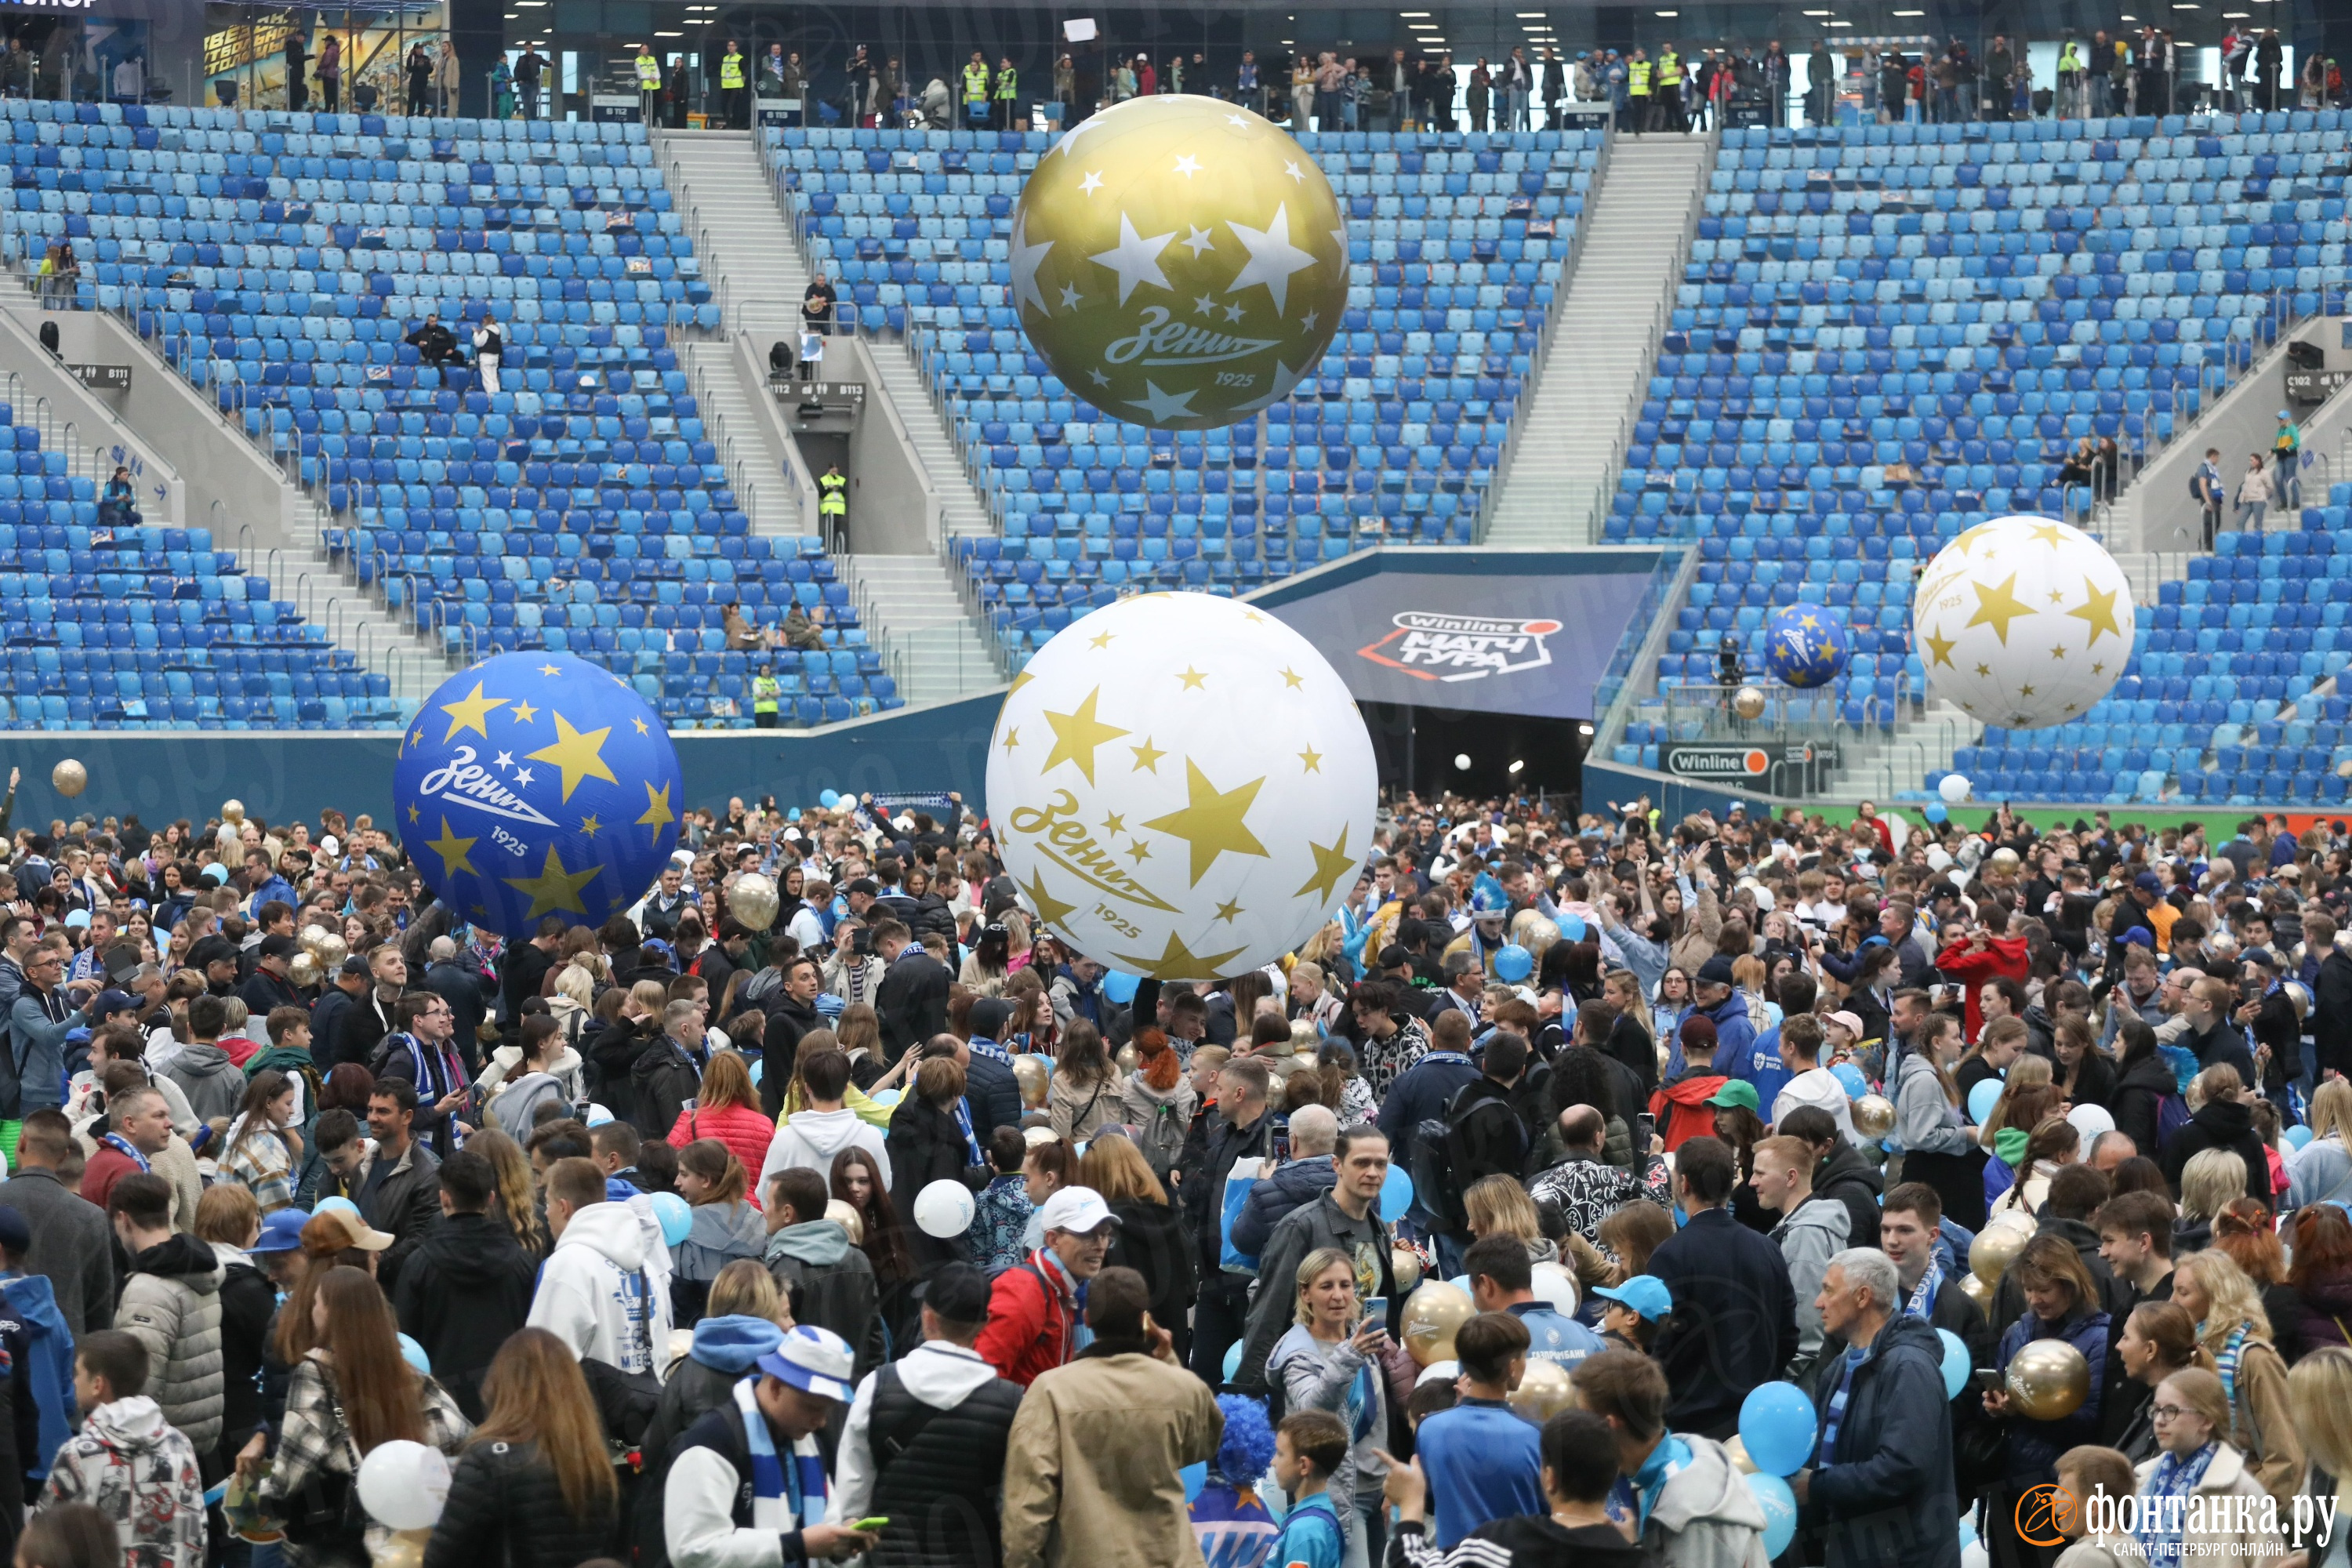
(1561, 470)
(911, 603)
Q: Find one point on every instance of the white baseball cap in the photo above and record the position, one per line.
(1078, 1210)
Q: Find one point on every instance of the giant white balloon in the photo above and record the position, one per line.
(1182, 786)
(2023, 622)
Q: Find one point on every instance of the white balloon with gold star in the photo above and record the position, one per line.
(1182, 786)
(2023, 622)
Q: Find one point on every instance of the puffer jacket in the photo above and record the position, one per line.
(1273, 1198)
(505, 1506)
(171, 1305)
(2033, 1446)
(831, 1284)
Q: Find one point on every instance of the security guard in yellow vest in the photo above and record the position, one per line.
(649, 84)
(1007, 90)
(1637, 91)
(975, 90)
(1667, 95)
(731, 86)
(765, 691)
(832, 497)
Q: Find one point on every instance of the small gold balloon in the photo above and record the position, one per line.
(1994, 1250)
(310, 937)
(1433, 1315)
(1035, 1080)
(1544, 1391)
(332, 950)
(1405, 1264)
(1873, 1116)
(2048, 1380)
(753, 901)
(232, 811)
(1126, 1058)
(1748, 703)
(402, 1549)
(1736, 1451)
(304, 969)
(1179, 262)
(69, 778)
(1977, 1290)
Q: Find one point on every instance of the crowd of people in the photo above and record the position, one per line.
(885, 1225)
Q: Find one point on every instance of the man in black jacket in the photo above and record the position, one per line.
(523, 967)
(2331, 997)
(2224, 1119)
(362, 1026)
(268, 987)
(913, 999)
(350, 983)
(1486, 1136)
(397, 1194)
(1239, 1128)
(465, 990)
(468, 1285)
(992, 1090)
(1734, 1320)
(792, 1013)
(1314, 1131)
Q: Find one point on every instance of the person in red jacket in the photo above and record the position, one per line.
(1034, 1315)
(1976, 957)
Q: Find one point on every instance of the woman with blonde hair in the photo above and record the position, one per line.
(2181, 1515)
(1331, 1359)
(2210, 1180)
(1150, 1238)
(2236, 1332)
(534, 1487)
(518, 1199)
(2159, 1339)
(2321, 1170)
(2319, 1395)
(1313, 1000)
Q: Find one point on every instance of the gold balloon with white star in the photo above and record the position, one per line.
(2023, 622)
(1182, 786)
(1179, 261)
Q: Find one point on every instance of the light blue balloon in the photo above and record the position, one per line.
(343, 1204)
(1850, 1079)
(793, 815)
(1195, 1477)
(675, 1216)
(215, 871)
(1958, 1363)
(1461, 1282)
(1514, 964)
(1572, 928)
(1982, 1099)
(1234, 1362)
(2299, 1135)
(414, 1355)
(1780, 1506)
(1776, 1422)
(828, 799)
(1938, 811)
(1119, 986)
(1396, 1194)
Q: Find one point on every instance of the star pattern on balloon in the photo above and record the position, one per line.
(2097, 611)
(1026, 259)
(657, 814)
(1163, 405)
(1211, 820)
(581, 755)
(1050, 909)
(1997, 606)
(470, 712)
(1177, 958)
(451, 850)
(1331, 864)
(555, 891)
(1272, 258)
(1078, 735)
(1136, 258)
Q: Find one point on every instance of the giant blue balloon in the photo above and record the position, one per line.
(1958, 1363)
(1776, 1422)
(535, 784)
(1805, 645)
(1779, 1505)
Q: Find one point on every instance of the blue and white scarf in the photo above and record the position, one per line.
(1922, 1303)
(783, 1497)
(2164, 1504)
(992, 1050)
(1667, 1461)
(963, 1125)
(128, 1150)
(2225, 1364)
(1825, 1455)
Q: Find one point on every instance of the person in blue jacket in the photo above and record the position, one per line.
(40, 1361)
(1720, 1003)
(1308, 1447)
(2061, 1302)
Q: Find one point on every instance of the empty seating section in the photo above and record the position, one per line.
(1455, 250)
(139, 627)
(1889, 332)
(282, 263)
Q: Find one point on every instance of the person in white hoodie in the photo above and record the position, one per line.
(944, 1417)
(1811, 1231)
(810, 1139)
(596, 1291)
(1810, 1083)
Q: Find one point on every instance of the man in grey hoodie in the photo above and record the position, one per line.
(1696, 1509)
(810, 1139)
(828, 1282)
(213, 1083)
(1811, 1231)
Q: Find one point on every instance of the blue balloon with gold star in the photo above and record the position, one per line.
(1805, 645)
(535, 784)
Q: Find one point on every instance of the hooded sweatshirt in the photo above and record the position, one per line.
(595, 1295)
(1705, 1516)
(515, 1105)
(940, 1374)
(140, 1471)
(838, 1287)
(212, 1080)
(810, 1139)
(171, 1304)
(1808, 1239)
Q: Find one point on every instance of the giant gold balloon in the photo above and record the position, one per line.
(1544, 1391)
(1994, 1250)
(1034, 1080)
(1748, 703)
(753, 901)
(1182, 786)
(69, 778)
(1433, 1315)
(1179, 262)
(2023, 622)
(2048, 1380)
(1873, 1116)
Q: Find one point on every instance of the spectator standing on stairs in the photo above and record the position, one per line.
(2286, 453)
(2253, 493)
(2206, 485)
(833, 500)
(490, 351)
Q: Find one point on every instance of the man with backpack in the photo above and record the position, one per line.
(1419, 1097)
(1034, 1308)
(1347, 1217)
(1240, 1128)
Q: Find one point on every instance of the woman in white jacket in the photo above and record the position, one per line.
(2182, 1515)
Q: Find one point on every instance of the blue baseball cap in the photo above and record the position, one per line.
(812, 1360)
(1645, 1293)
(281, 1231)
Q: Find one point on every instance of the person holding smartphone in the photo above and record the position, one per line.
(1331, 1359)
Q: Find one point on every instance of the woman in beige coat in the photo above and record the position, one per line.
(1694, 916)
(2236, 1332)
(2183, 1518)
(1086, 1092)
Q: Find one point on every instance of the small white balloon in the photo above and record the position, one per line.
(403, 1485)
(1461, 761)
(2090, 1121)
(1954, 788)
(944, 1208)
(1555, 1287)
(2023, 622)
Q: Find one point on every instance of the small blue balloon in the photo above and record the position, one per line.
(1776, 1422)
(1806, 645)
(1572, 928)
(675, 1216)
(1850, 1079)
(1780, 1506)
(1938, 811)
(1396, 1194)
(1514, 964)
(2299, 1135)
(343, 1204)
(828, 799)
(793, 815)
(1982, 1099)
(1195, 1477)
(414, 1355)
(1958, 1363)
(1234, 1362)
(1119, 986)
